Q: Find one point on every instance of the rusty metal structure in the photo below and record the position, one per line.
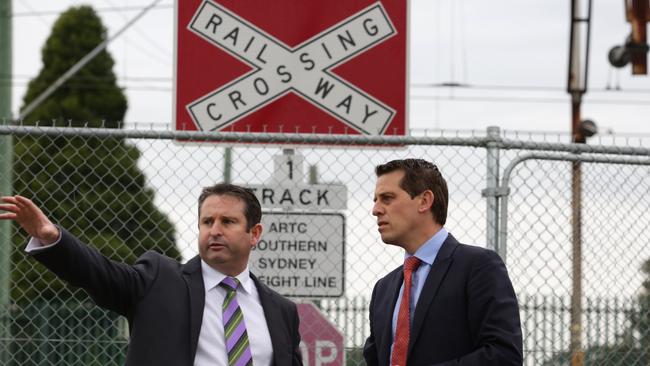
(635, 49)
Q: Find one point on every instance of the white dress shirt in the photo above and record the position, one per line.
(211, 349)
(35, 244)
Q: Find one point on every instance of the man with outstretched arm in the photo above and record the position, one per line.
(208, 311)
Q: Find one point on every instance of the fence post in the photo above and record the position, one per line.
(5, 173)
(491, 191)
(227, 165)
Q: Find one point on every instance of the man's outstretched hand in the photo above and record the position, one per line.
(29, 217)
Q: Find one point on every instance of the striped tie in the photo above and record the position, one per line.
(237, 347)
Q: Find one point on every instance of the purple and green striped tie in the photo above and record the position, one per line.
(237, 347)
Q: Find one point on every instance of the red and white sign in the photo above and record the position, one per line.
(322, 343)
(286, 66)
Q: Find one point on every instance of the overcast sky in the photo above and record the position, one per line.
(512, 54)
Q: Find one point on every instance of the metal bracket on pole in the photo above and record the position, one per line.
(495, 192)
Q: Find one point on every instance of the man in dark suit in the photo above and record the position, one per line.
(208, 311)
(450, 304)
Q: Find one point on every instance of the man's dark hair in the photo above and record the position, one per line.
(420, 175)
(252, 208)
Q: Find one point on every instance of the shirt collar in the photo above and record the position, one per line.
(212, 278)
(429, 250)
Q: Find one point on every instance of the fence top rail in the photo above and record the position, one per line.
(239, 137)
(573, 148)
(489, 140)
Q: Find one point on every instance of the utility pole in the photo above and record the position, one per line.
(577, 87)
(637, 13)
(5, 172)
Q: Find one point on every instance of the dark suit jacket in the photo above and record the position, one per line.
(467, 313)
(163, 302)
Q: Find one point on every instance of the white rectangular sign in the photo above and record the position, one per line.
(301, 254)
(301, 196)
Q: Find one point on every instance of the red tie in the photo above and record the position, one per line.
(401, 343)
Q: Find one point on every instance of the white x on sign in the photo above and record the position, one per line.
(279, 69)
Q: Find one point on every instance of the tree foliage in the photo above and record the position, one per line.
(91, 186)
(91, 95)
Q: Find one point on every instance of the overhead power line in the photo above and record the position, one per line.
(100, 10)
(160, 79)
(20, 79)
(164, 52)
(531, 88)
(29, 7)
(127, 83)
(16, 78)
(447, 98)
(507, 99)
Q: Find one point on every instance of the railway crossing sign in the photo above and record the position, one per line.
(292, 67)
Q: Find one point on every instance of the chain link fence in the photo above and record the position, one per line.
(128, 191)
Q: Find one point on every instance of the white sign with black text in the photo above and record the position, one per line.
(301, 254)
(286, 190)
(302, 196)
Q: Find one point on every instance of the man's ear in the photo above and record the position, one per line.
(426, 201)
(256, 234)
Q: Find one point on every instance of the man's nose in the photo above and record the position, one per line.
(215, 229)
(376, 209)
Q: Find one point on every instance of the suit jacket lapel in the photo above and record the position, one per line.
(431, 284)
(196, 289)
(274, 321)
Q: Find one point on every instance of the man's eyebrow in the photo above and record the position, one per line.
(382, 195)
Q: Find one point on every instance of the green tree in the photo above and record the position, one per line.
(89, 185)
